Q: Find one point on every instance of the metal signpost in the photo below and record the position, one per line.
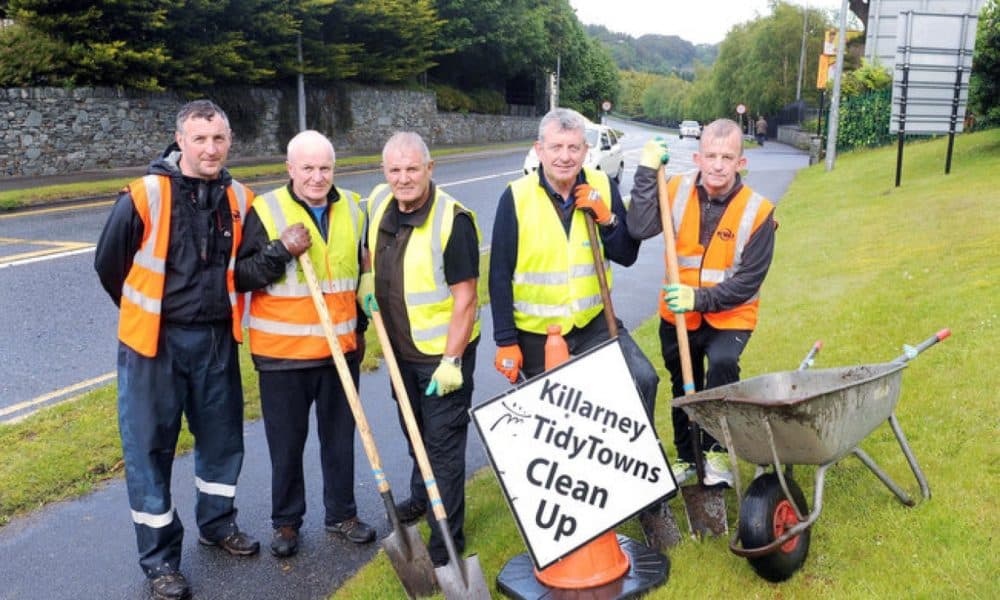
(931, 84)
(574, 452)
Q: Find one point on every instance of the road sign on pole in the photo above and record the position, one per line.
(740, 109)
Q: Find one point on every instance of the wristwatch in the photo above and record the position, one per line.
(455, 360)
(611, 222)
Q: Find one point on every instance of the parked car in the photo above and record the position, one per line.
(690, 129)
(605, 152)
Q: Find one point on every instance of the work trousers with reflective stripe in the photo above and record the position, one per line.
(584, 338)
(195, 372)
(443, 422)
(285, 399)
(722, 349)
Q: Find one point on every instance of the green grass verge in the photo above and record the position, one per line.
(865, 267)
(12, 199)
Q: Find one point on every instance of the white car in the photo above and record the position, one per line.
(604, 154)
(690, 129)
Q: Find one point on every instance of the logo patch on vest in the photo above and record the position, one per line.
(726, 235)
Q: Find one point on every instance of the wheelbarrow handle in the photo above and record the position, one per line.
(808, 360)
(911, 352)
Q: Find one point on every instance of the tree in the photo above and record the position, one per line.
(102, 43)
(984, 86)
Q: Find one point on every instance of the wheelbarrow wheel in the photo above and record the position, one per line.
(765, 515)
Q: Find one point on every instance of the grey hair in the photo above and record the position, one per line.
(199, 109)
(309, 137)
(721, 128)
(407, 139)
(567, 118)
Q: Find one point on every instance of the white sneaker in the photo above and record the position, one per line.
(682, 470)
(717, 469)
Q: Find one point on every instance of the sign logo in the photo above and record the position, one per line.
(574, 452)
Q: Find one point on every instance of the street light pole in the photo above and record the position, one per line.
(301, 86)
(833, 119)
(802, 53)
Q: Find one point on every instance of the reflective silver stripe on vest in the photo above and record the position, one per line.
(681, 200)
(301, 290)
(143, 301)
(557, 310)
(155, 521)
(241, 197)
(713, 275)
(297, 330)
(215, 489)
(745, 229)
(431, 333)
(145, 257)
(441, 290)
(691, 262)
(550, 278)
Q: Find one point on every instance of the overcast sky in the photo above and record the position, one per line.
(697, 21)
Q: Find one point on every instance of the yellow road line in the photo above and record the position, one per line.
(64, 391)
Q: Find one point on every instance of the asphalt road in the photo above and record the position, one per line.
(59, 331)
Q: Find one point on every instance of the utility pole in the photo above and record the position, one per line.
(301, 86)
(802, 53)
(833, 119)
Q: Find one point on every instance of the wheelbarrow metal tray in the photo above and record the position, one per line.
(816, 416)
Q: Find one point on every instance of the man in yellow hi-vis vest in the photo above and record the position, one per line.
(165, 258)
(308, 215)
(542, 268)
(424, 249)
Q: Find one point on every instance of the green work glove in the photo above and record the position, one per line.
(446, 379)
(366, 293)
(655, 153)
(680, 297)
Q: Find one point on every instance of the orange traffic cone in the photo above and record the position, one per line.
(600, 561)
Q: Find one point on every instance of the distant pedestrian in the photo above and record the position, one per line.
(309, 215)
(165, 257)
(761, 129)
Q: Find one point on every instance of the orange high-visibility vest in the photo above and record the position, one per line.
(707, 267)
(142, 293)
(283, 319)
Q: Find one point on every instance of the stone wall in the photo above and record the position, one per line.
(793, 135)
(48, 131)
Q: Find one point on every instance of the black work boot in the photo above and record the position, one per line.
(353, 529)
(237, 543)
(659, 527)
(170, 585)
(285, 542)
(411, 510)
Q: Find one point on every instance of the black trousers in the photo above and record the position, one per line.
(286, 398)
(443, 422)
(722, 349)
(581, 339)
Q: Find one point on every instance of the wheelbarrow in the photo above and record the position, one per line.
(803, 417)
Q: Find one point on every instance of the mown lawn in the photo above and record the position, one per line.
(865, 267)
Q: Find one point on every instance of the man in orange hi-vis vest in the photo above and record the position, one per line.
(166, 259)
(309, 215)
(724, 233)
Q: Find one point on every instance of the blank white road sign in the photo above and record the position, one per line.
(574, 452)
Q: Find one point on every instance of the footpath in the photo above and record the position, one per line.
(85, 548)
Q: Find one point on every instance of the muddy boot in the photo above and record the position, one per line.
(659, 527)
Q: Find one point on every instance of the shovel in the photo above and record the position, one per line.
(705, 507)
(404, 547)
(460, 579)
(665, 533)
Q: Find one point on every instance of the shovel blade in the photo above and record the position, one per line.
(706, 511)
(463, 580)
(409, 558)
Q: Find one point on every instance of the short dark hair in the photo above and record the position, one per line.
(199, 109)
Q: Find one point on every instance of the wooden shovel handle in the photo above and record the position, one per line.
(367, 440)
(416, 440)
(602, 279)
(673, 277)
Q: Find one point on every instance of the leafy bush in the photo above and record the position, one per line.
(864, 120)
(490, 102)
(483, 101)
